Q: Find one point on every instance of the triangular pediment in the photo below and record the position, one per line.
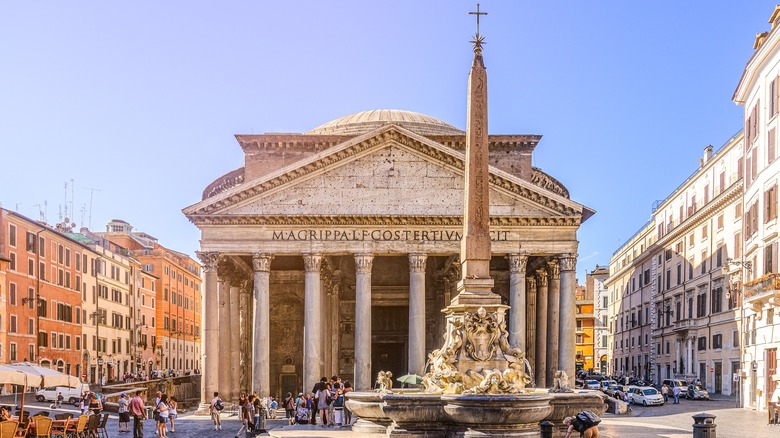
(390, 172)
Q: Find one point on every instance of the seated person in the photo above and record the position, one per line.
(4, 413)
(302, 414)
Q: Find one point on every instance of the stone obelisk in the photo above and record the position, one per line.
(476, 284)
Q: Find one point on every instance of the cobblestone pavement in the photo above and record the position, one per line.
(669, 420)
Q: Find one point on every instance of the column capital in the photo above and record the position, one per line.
(261, 262)
(541, 277)
(417, 261)
(553, 269)
(312, 262)
(568, 262)
(210, 259)
(517, 263)
(364, 262)
(531, 283)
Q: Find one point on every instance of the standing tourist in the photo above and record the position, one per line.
(665, 392)
(215, 408)
(95, 405)
(137, 409)
(774, 402)
(243, 414)
(124, 412)
(162, 417)
(347, 412)
(289, 408)
(323, 402)
(174, 404)
(676, 393)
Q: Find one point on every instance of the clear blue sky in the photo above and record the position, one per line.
(141, 99)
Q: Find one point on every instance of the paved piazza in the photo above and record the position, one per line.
(673, 421)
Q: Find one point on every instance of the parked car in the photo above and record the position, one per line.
(605, 384)
(70, 395)
(612, 389)
(591, 384)
(646, 395)
(671, 383)
(697, 392)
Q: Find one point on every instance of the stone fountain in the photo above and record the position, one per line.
(477, 384)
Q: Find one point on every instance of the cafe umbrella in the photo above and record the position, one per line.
(31, 375)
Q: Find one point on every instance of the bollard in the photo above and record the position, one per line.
(704, 426)
(547, 429)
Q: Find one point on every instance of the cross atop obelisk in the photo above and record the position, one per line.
(475, 246)
(478, 38)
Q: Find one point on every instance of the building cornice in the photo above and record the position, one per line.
(705, 213)
(753, 66)
(375, 220)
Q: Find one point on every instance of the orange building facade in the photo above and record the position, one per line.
(177, 308)
(44, 285)
(585, 336)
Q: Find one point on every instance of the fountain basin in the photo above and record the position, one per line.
(569, 404)
(367, 406)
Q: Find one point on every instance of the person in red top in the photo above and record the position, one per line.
(139, 415)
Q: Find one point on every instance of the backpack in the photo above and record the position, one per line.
(219, 405)
(585, 420)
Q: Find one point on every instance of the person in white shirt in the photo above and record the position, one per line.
(775, 403)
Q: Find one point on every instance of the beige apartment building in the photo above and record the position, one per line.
(596, 288)
(758, 92)
(107, 310)
(696, 311)
(630, 296)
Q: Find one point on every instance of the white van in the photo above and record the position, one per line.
(71, 395)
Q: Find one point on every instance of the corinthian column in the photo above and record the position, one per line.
(224, 337)
(261, 348)
(541, 329)
(530, 335)
(363, 263)
(417, 313)
(235, 334)
(517, 304)
(210, 261)
(312, 322)
(553, 309)
(568, 322)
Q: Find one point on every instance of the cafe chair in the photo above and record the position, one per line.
(8, 428)
(42, 426)
(59, 427)
(63, 416)
(77, 429)
(102, 428)
(24, 426)
(92, 426)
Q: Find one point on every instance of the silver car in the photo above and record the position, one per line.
(697, 392)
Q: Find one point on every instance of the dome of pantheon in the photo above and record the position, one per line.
(366, 121)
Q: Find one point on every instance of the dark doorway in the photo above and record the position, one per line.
(718, 377)
(388, 357)
(288, 383)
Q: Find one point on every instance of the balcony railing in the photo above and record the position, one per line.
(762, 285)
(682, 325)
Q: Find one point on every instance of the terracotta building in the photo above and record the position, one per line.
(585, 325)
(44, 283)
(174, 332)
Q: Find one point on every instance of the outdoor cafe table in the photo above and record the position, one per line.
(54, 424)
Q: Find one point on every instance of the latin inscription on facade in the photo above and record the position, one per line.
(380, 235)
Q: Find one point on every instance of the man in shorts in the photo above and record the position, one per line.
(214, 412)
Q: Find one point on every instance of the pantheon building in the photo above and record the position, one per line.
(365, 212)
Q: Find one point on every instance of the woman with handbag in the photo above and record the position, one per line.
(323, 401)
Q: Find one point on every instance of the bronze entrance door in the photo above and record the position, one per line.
(718, 377)
(388, 357)
(288, 383)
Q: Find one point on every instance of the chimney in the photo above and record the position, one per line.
(707, 154)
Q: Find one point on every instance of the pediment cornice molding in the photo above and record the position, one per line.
(374, 220)
(361, 145)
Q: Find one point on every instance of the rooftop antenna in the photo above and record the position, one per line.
(83, 212)
(66, 199)
(41, 217)
(72, 196)
(17, 206)
(45, 210)
(91, 193)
